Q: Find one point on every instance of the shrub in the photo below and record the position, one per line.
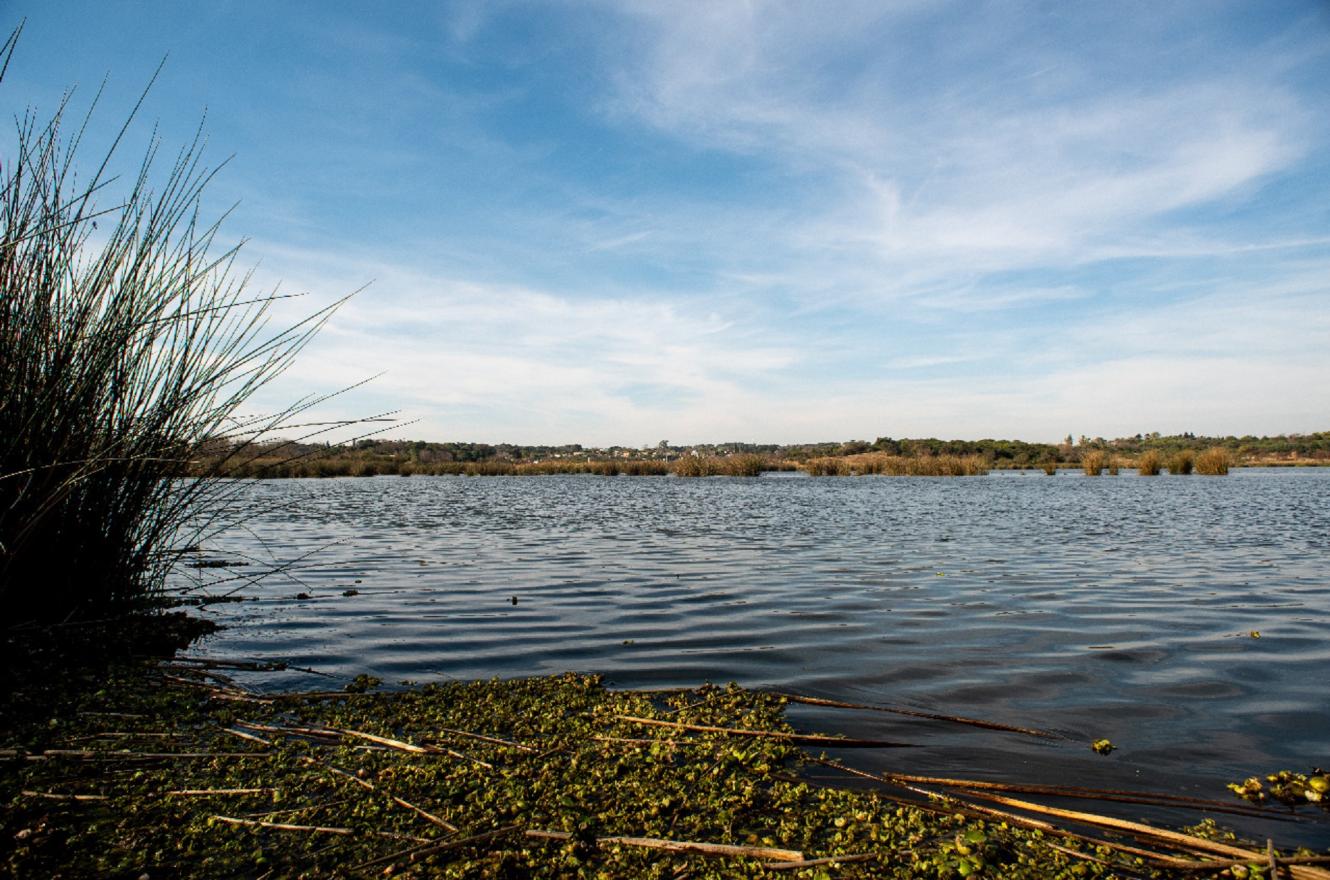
(1149, 463)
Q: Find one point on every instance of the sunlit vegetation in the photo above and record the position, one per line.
(174, 769)
(1149, 463)
(1213, 462)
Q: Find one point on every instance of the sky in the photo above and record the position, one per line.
(626, 222)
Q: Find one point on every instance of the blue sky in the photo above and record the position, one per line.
(626, 222)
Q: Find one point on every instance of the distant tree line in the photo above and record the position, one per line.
(369, 456)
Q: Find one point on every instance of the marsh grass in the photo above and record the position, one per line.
(1050, 468)
(1149, 463)
(1181, 463)
(1092, 462)
(1213, 462)
(122, 352)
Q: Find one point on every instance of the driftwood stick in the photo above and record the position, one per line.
(57, 796)
(683, 846)
(916, 713)
(795, 738)
(219, 792)
(319, 829)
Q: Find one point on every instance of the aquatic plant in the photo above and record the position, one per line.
(1092, 462)
(1149, 463)
(126, 343)
(882, 464)
(1213, 462)
(1181, 463)
(176, 769)
(1050, 468)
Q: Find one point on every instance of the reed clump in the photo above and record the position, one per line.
(1050, 468)
(882, 464)
(1181, 463)
(1149, 463)
(737, 465)
(121, 353)
(1213, 462)
(1092, 462)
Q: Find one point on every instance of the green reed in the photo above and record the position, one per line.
(122, 352)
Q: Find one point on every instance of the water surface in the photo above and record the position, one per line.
(1120, 607)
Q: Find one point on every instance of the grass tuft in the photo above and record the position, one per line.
(1181, 463)
(1092, 462)
(1149, 463)
(1214, 462)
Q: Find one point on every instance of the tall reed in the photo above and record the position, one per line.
(881, 464)
(1050, 468)
(1214, 462)
(121, 352)
(1181, 463)
(1092, 462)
(1149, 463)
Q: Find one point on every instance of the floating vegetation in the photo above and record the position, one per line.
(1213, 462)
(1288, 787)
(1149, 463)
(1103, 746)
(175, 768)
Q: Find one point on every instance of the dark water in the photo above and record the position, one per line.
(1117, 607)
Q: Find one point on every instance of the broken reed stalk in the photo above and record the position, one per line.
(816, 863)
(811, 739)
(316, 829)
(1184, 841)
(369, 786)
(689, 847)
(1096, 794)
(914, 713)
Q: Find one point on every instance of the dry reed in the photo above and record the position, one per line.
(1149, 463)
(1092, 462)
(1213, 462)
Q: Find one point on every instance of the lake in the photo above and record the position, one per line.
(1120, 607)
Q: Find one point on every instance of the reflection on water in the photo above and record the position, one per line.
(1117, 607)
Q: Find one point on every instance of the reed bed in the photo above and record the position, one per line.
(1213, 462)
(1050, 468)
(739, 465)
(121, 352)
(881, 464)
(1181, 463)
(1092, 462)
(1149, 463)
